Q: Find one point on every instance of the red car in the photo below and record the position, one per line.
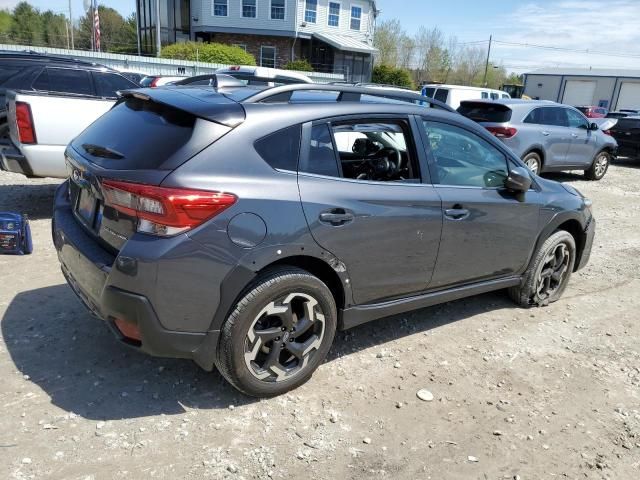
(594, 112)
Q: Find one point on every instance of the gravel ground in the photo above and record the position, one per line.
(512, 394)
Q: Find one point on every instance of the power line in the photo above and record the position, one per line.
(564, 49)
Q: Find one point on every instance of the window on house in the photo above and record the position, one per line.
(356, 17)
(249, 9)
(268, 57)
(334, 14)
(220, 8)
(277, 9)
(311, 11)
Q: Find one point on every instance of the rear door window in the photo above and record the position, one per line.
(442, 94)
(485, 112)
(107, 84)
(551, 116)
(64, 80)
(322, 158)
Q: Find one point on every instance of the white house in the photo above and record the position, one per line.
(336, 36)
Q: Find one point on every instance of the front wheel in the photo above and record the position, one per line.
(599, 166)
(278, 333)
(547, 277)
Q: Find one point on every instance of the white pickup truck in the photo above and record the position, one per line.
(41, 125)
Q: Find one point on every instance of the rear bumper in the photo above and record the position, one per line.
(590, 233)
(45, 160)
(89, 271)
(12, 160)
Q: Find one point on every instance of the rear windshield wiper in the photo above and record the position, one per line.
(104, 152)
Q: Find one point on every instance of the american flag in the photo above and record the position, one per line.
(96, 26)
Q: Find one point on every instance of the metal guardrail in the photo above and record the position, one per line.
(149, 65)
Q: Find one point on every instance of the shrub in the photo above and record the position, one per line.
(392, 76)
(208, 52)
(302, 65)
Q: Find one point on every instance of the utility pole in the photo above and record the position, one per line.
(486, 66)
(138, 28)
(73, 46)
(158, 42)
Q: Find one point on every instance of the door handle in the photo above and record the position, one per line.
(336, 217)
(457, 213)
(545, 133)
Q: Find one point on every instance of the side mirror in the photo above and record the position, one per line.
(519, 180)
(593, 126)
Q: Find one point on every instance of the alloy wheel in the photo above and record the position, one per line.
(533, 165)
(553, 271)
(283, 337)
(602, 162)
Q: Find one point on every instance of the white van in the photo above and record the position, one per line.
(452, 95)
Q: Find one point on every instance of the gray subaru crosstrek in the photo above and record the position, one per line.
(547, 136)
(241, 227)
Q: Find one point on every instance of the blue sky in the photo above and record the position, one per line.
(610, 26)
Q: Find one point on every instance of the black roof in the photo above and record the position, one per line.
(31, 56)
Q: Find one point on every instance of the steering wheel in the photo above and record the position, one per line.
(394, 158)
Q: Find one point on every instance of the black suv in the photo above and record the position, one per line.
(44, 73)
(627, 134)
(241, 227)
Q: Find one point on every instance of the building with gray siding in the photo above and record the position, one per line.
(610, 88)
(335, 36)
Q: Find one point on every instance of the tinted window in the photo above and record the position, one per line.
(626, 124)
(144, 133)
(552, 116)
(442, 94)
(322, 157)
(484, 95)
(8, 72)
(464, 159)
(576, 120)
(429, 91)
(107, 84)
(495, 96)
(64, 80)
(280, 149)
(485, 112)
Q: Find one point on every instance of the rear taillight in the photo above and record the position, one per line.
(24, 121)
(154, 82)
(502, 132)
(164, 211)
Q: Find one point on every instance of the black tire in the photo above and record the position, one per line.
(268, 294)
(533, 161)
(539, 287)
(599, 166)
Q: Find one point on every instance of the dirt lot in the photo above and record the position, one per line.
(518, 394)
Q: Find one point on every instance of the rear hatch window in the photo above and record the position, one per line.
(485, 112)
(139, 134)
(626, 124)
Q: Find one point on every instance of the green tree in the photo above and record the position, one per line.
(208, 52)
(6, 20)
(27, 27)
(116, 33)
(301, 65)
(54, 29)
(387, 75)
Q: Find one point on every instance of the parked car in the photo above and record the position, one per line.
(31, 71)
(153, 81)
(452, 95)
(57, 102)
(247, 245)
(135, 77)
(216, 80)
(264, 76)
(627, 133)
(619, 114)
(547, 136)
(593, 112)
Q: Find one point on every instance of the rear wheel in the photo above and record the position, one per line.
(599, 166)
(547, 277)
(278, 333)
(533, 161)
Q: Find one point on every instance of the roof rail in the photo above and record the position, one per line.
(346, 94)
